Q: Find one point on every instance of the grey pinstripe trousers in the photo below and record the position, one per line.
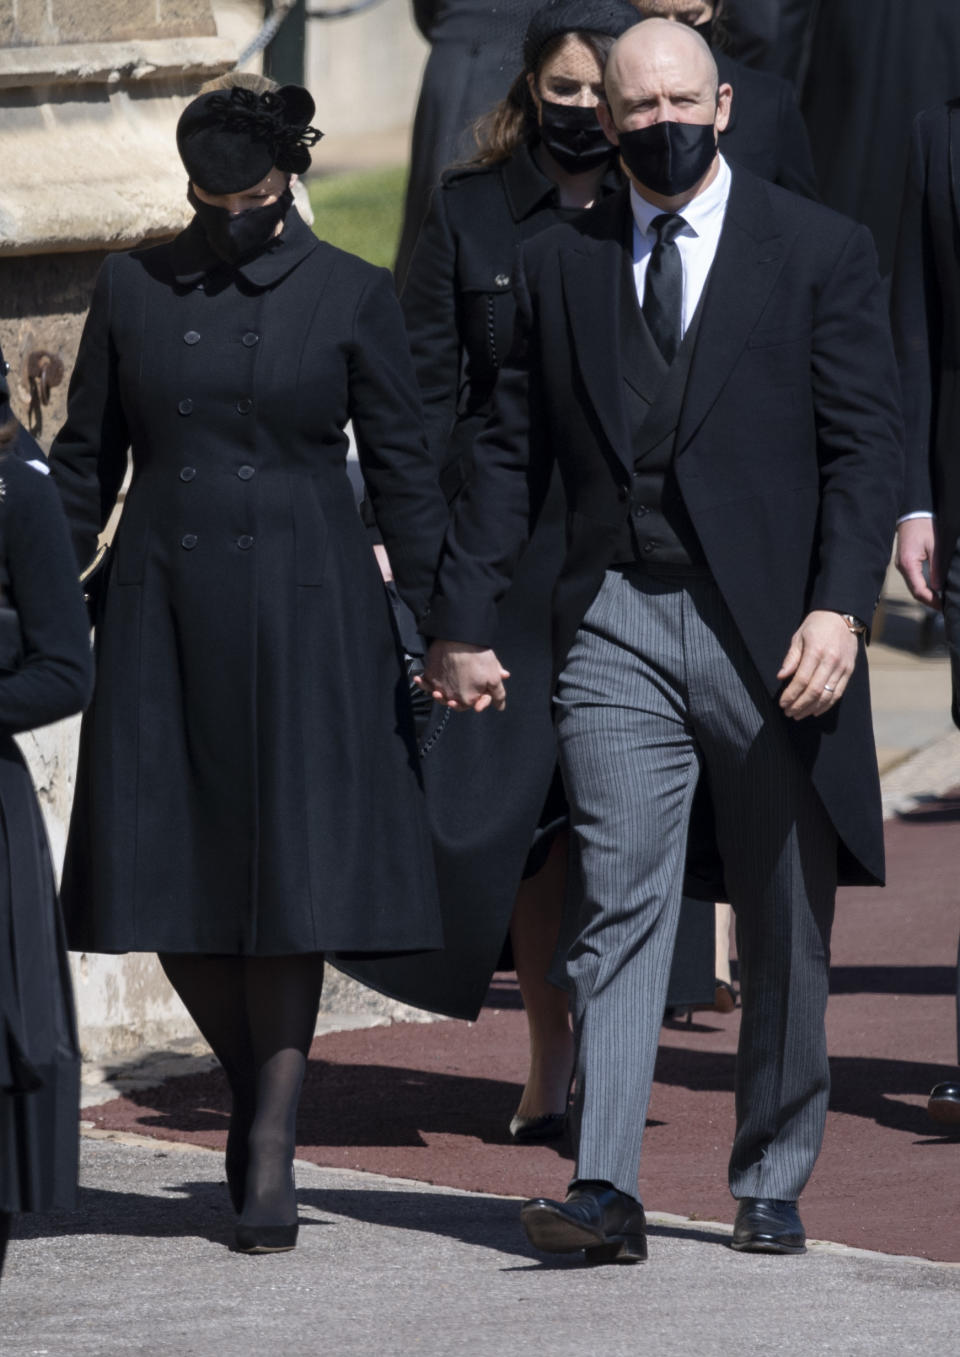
(657, 686)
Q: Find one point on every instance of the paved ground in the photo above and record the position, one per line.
(396, 1266)
(392, 1267)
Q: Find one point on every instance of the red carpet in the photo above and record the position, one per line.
(432, 1101)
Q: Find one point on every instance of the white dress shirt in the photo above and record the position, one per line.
(697, 241)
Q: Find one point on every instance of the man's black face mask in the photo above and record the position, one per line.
(573, 136)
(669, 157)
(234, 235)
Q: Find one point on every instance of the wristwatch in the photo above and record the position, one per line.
(853, 622)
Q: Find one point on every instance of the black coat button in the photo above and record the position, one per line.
(246, 472)
(185, 407)
(244, 542)
(188, 541)
(191, 337)
(245, 405)
(187, 473)
(249, 339)
(640, 510)
(650, 546)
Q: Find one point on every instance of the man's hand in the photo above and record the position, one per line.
(463, 677)
(917, 544)
(819, 664)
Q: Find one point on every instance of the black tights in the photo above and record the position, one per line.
(6, 1220)
(258, 1015)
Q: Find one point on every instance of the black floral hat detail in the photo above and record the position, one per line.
(231, 139)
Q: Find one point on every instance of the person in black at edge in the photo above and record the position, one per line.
(493, 787)
(926, 330)
(46, 673)
(233, 773)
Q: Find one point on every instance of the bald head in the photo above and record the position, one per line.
(656, 58)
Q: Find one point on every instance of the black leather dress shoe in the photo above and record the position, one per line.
(943, 1105)
(607, 1224)
(768, 1225)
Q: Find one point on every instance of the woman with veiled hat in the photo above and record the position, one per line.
(498, 813)
(248, 794)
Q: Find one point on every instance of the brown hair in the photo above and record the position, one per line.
(513, 122)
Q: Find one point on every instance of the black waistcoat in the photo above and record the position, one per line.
(658, 530)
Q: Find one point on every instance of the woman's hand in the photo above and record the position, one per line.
(463, 677)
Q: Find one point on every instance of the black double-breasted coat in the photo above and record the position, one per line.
(248, 782)
(492, 787)
(787, 452)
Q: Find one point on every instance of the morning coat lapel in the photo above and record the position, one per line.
(750, 255)
(592, 273)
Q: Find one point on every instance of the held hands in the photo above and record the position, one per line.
(917, 544)
(463, 677)
(819, 662)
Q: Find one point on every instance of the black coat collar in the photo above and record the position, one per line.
(527, 187)
(193, 258)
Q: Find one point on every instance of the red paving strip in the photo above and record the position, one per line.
(432, 1101)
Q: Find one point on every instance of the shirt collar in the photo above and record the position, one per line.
(194, 259)
(528, 188)
(697, 212)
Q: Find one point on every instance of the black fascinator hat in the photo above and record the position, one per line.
(231, 139)
(610, 17)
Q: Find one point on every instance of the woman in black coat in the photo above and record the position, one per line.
(46, 673)
(495, 799)
(248, 795)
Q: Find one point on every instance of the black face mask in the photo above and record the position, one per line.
(235, 235)
(705, 30)
(573, 136)
(669, 157)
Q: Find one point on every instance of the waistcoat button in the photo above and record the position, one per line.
(187, 473)
(245, 405)
(191, 337)
(244, 542)
(188, 541)
(246, 472)
(185, 407)
(249, 339)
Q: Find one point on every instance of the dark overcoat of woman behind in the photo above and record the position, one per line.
(496, 803)
(248, 794)
(45, 674)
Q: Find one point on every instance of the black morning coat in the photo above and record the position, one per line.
(248, 782)
(926, 318)
(459, 307)
(788, 452)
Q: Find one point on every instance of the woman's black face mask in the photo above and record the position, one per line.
(573, 136)
(234, 235)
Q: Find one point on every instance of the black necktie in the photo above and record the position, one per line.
(663, 288)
